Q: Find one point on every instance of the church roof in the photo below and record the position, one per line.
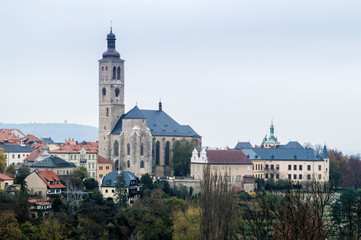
(135, 113)
(159, 123)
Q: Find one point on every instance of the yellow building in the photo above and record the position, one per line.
(5, 181)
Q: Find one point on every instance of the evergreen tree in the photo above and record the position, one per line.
(121, 191)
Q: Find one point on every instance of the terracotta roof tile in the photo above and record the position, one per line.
(4, 177)
(47, 176)
(103, 160)
(227, 157)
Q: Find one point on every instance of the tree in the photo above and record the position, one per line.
(217, 207)
(186, 224)
(121, 191)
(80, 173)
(9, 226)
(90, 184)
(28, 230)
(23, 172)
(346, 213)
(74, 197)
(10, 171)
(2, 161)
(147, 180)
(182, 153)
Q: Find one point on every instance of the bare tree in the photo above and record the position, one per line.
(74, 196)
(217, 207)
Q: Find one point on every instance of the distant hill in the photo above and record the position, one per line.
(57, 131)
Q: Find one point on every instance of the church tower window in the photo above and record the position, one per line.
(128, 164)
(118, 73)
(116, 149)
(142, 164)
(167, 148)
(114, 72)
(107, 112)
(157, 152)
(128, 149)
(117, 92)
(104, 91)
(141, 149)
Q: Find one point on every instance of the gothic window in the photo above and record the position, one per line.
(114, 72)
(141, 149)
(102, 68)
(118, 73)
(116, 148)
(104, 91)
(128, 164)
(167, 146)
(106, 68)
(107, 112)
(117, 92)
(128, 149)
(116, 165)
(142, 164)
(157, 151)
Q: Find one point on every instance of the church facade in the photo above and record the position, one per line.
(139, 141)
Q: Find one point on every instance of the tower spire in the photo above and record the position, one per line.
(160, 104)
(111, 52)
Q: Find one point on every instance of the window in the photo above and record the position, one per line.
(294, 176)
(106, 190)
(277, 167)
(308, 167)
(141, 149)
(142, 164)
(308, 176)
(18, 155)
(272, 167)
(118, 73)
(106, 167)
(294, 167)
(227, 178)
(117, 92)
(100, 176)
(319, 176)
(13, 155)
(289, 167)
(238, 178)
(266, 166)
(116, 148)
(100, 167)
(104, 91)
(277, 176)
(289, 176)
(300, 167)
(128, 149)
(214, 167)
(272, 175)
(114, 72)
(157, 152)
(266, 175)
(167, 149)
(300, 176)
(107, 112)
(319, 167)
(128, 164)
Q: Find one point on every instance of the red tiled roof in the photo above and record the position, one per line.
(4, 177)
(31, 139)
(34, 155)
(227, 157)
(9, 130)
(50, 176)
(103, 160)
(72, 146)
(10, 138)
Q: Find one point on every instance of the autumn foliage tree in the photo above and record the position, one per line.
(182, 153)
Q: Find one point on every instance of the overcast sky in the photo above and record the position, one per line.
(224, 67)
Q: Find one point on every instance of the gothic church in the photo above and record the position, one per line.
(139, 141)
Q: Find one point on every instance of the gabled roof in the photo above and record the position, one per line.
(50, 176)
(227, 157)
(160, 124)
(103, 160)
(302, 154)
(135, 113)
(53, 162)
(291, 144)
(34, 155)
(16, 148)
(110, 180)
(48, 140)
(5, 178)
(243, 145)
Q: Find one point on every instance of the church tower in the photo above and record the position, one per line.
(111, 94)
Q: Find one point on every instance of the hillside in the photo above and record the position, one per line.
(57, 131)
